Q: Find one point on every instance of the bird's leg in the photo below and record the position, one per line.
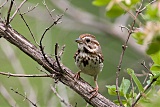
(95, 90)
(77, 75)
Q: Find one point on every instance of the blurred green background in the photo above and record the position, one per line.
(81, 17)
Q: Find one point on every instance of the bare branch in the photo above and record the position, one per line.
(56, 56)
(144, 65)
(21, 14)
(9, 12)
(44, 3)
(61, 51)
(61, 99)
(24, 96)
(142, 75)
(146, 78)
(29, 29)
(54, 23)
(142, 9)
(57, 21)
(124, 27)
(30, 9)
(3, 4)
(14, 14)
(27, 23)
(26, 75)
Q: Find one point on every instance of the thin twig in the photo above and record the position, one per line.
(26, 75)
(24, 96)
(61, 51)
(124, 27)
(28, 27)
(54, 23)
(147, 5)
(9, 12)
(146, 78)
(144, 65)
(41, 46)
(3, 4)
(56, 56)
(14, 14)
(18, 10)
(30, 9)
(61, 99)
(44, 3)
(141, 75)
(44, 55)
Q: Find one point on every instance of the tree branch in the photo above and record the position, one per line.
(26, 75)
(9, 12)
(61, 99)
(25, 97)
(79, 86)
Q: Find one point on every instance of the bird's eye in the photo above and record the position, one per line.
(87, 40)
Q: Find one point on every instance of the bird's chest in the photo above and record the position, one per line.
(88, 63)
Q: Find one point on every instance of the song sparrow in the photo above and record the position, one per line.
(88, 57)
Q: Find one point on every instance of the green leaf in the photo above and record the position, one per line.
(139, 36)
(115, 11)
(111, 89)
(152, 13)
(135, 79)
(155, 68)
(154, 45)
(153, 48)
(124, 102)
(125, 86)
(130, 3)
(156, 58)
(157, 78)
(131, 94)
(100, 2)
(133, 2)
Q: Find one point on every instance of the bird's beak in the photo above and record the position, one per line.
(78, 40)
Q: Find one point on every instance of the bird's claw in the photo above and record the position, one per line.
(77, 75)
(95, 90)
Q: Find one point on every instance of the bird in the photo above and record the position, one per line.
(89, 58)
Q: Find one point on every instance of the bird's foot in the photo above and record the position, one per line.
(77, 75)
(95, 92)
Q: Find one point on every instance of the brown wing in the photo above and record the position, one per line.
(77, 52)
(101, 57)
(100, 53)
